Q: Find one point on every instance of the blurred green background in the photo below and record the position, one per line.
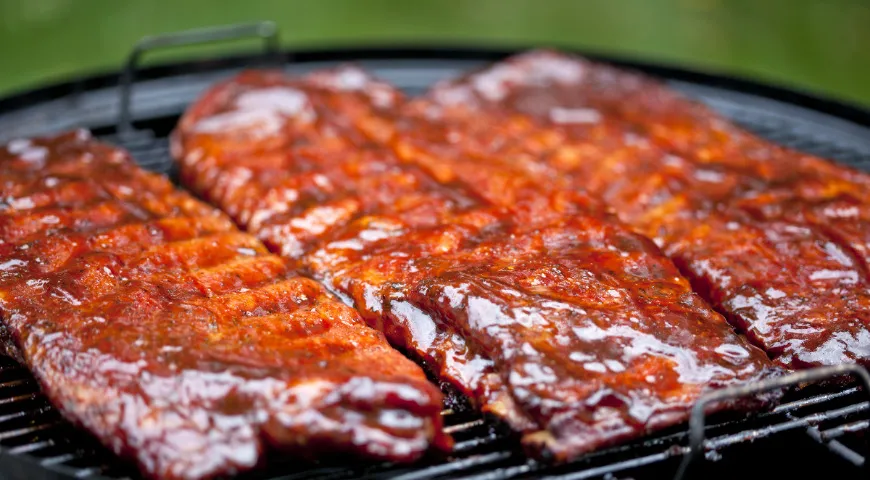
(816, 45)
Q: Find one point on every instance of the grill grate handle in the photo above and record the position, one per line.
(265, 30)
(698, 416)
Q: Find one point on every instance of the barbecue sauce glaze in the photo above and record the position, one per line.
(523, 293)
(150, 320)
(776, 240)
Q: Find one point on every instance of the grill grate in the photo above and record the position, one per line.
(813, 425)
(484, 450)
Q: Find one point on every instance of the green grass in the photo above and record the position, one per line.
(817, 45)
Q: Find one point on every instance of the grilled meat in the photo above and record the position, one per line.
(777, 241)
(176, 339)
(522, 293)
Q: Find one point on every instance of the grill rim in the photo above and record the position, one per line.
(33, 467)
(817, 101)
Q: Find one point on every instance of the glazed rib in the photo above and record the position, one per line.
(524, 295)
(776, 240)
(177, 340)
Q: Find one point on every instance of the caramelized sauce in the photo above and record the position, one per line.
(177, 340)
(521, 292)
(776, 240)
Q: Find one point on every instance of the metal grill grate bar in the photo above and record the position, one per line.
(456, 466)
(726, 440)
(15, 383)
(467, 445)
(617, 467)
(31, 447)
(463, 426)
(20, 432)
(58, 459)
(841, 430)
(506, 472)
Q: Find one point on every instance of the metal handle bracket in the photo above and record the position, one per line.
(267, 31)
(698, 415)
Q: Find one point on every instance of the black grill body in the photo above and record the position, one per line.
(814, 426)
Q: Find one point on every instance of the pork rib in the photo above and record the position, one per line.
(180, 342)
(527, 296)
(777, 241)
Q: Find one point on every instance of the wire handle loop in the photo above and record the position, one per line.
(698, 415)
(265, 30)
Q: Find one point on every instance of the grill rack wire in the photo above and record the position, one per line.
(829, 422)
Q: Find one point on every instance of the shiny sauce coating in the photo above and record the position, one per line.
(776, 240)
(506, 282)
(149, 319)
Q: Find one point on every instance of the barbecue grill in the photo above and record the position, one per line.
(823, 420)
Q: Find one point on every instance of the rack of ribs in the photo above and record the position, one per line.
(525, 295)
(149, 319)
(777, 241)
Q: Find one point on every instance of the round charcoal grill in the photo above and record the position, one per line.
(815, 425)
